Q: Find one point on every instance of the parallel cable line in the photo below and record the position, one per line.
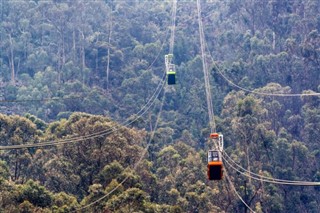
(127, 122)
(262, 178)
(251, 174)
(173, 25)
(137, 163)
(142, 111)
(256, 92)
(265, 93)
(208, 93)
(84, 95)
(205, 70)
(39, 100)
(153, 130)
(248, 173)
(236, 192)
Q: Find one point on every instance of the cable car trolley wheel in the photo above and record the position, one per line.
(219, 138)
(214, 135)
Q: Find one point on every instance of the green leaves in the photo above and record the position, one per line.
(35, 194)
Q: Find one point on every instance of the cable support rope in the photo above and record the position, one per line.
(39, 100)
(173, 25)
(84, 95)
(271, 181)
(137, 163)
(251, 174)
(108, 52)
(202, 42)
(253, 91)
(231, 184)
(156, 123)
(161, 82)
(265, 93)
(208, 94)
(262, 178)
(236, 192)
(140, 113)
(205, 70)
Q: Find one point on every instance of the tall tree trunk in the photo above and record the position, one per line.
(83, 58)
(63, 51)
(59, 66)
(74, 45)
(274, 41)
(11, 61)
(248, 161)
(16, 167)
(97, 58)
(108, 58)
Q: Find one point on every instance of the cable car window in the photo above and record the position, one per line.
(213, 156)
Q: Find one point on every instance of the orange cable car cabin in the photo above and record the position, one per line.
(215, 167)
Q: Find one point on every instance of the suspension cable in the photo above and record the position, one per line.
(264, 178)
(205, 70)
(265, 93)
(137, 163)
(155, 126)
(236, 192)
(253, 91)
(208, 93)
(173, 25)
(110, 130)
(249, 173)
(127, 122)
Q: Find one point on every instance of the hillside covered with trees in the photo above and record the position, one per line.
(85, 77)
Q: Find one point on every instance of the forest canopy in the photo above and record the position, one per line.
(73, 69)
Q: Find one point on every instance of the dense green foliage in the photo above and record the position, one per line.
(106, 58)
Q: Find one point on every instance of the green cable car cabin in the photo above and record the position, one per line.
(170, 68)
(171, 75)
(215, 167)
